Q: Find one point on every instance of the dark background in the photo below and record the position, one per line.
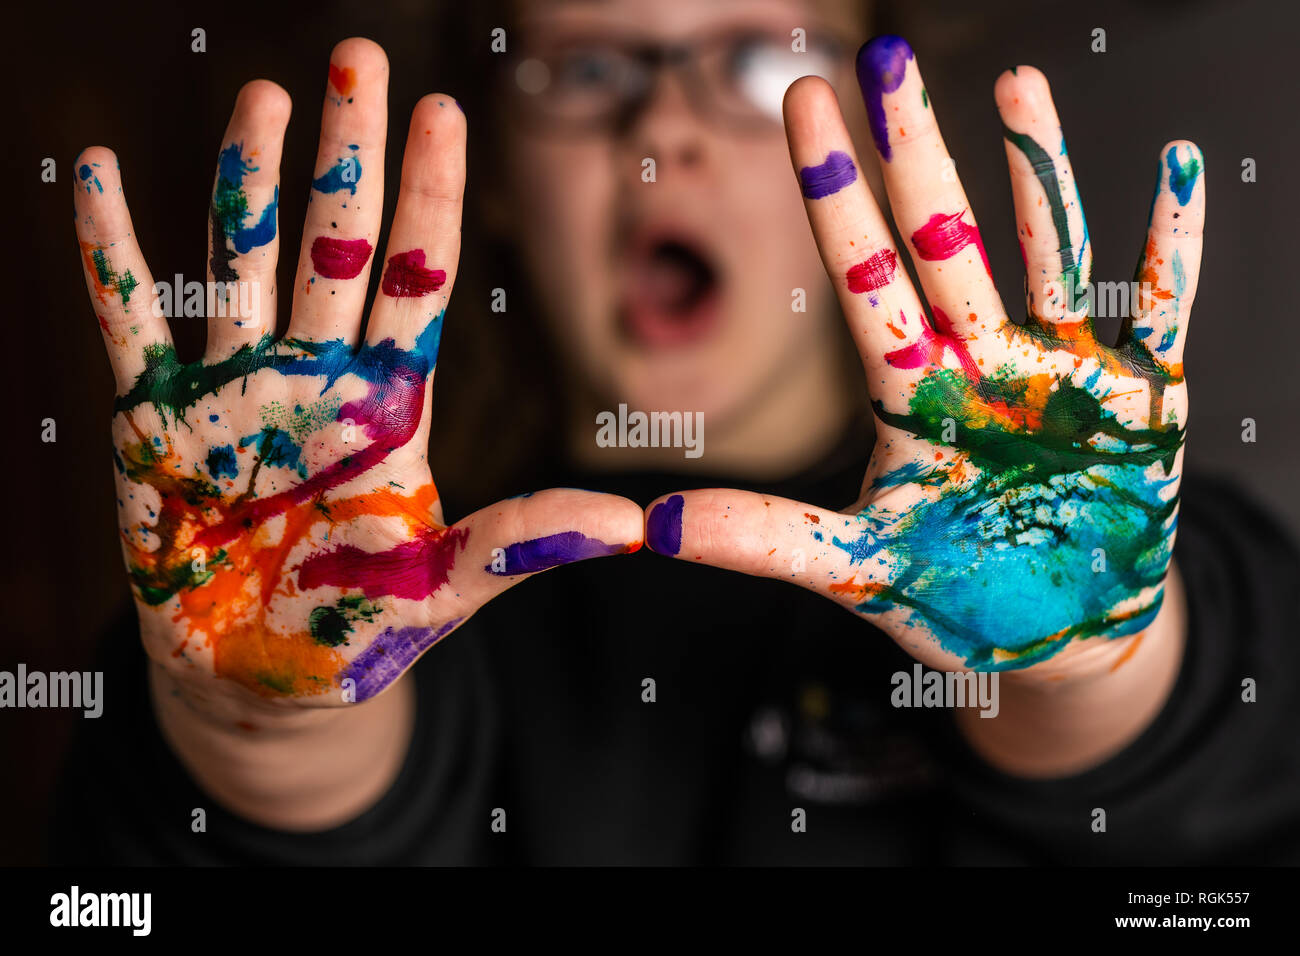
(1220, 74)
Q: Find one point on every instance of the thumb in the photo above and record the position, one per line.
(516, 538)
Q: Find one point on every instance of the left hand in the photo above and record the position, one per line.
(1023, 491)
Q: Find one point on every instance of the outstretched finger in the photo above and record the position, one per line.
(514, 539)
(757, 534)
(243, 222)
(1171, 260)
(930, 207)
(1049, 213)
(346, 203)
(420, 262)
(121, 288)
(882, 308)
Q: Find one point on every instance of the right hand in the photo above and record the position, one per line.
(280, 525)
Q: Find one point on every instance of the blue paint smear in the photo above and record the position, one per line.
(232, 169)
(345, 174)
(993, 567)
(276, 448)
(222, 463)
(1182, 179)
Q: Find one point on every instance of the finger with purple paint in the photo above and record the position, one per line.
(879, 303)
(930, 207)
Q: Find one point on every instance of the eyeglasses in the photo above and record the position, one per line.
(598, 85)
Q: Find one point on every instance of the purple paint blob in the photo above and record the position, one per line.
(391, 653)
(882, 64)
(830, 177)
(663, 529)
(525, 557)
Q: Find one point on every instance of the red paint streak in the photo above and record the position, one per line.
(944, 236)
(930, 347)
(342, 79)
(875, 273)
(339, 258)
(406, 276)
(412, 570)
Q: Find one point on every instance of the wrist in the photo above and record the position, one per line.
(289, 768)
(1078, 709)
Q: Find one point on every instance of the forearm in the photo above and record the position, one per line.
(1071, 713)
(290, 769)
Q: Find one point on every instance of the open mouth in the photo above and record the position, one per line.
(672, 293)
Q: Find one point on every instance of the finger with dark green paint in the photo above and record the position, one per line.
(1049, 213)
(121, 288)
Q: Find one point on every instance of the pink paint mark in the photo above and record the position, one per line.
(944, 236)
(930, 347)
(413, 570)
(389, 414)
(339, 258)
(875, 273)
(406, 276)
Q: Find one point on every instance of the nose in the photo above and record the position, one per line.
(666, 128)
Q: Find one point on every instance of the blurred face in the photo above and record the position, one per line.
(668, 284)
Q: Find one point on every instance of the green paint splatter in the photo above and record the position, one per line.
(331, 624)
(123, 285)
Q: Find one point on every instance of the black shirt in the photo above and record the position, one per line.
(768, 699)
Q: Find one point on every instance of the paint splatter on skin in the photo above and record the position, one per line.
(663, 529)
(86, 173)
(106, 278)
(339, 258)
(1045, 170)
(1031, 477)
(526, 557)
(875, 273)
(343, 80)
(881, 67)
(946, 234)
(1182, 178)
(838, 171)
(270, 522)
(232, 233)
(345, 174)
(406, 276)
(1030, 493)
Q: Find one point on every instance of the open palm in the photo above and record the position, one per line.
(1023, 489)
(280, 525)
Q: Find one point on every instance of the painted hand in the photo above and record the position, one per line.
(1023, 491)
(280, 525)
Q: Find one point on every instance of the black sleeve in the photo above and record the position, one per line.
(124, 797)
(1214, 779)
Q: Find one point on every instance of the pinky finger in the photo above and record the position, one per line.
(1171, 260)
(120, 286)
